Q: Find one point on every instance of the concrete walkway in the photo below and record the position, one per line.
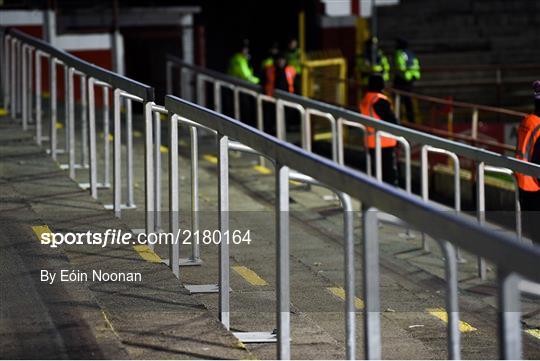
(154, 318)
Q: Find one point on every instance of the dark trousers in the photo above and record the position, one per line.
(402, 84)
(530, 214)
(389, 166)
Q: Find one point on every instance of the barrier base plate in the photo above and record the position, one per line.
(212, 288)
(256, 337)
(122, 206)
(185, 262)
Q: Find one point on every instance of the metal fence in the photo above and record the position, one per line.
(515, 261)
(341, 118)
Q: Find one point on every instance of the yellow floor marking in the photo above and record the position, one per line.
(210, 158)
(443, 316)
(163, 149)
(39, 230)
(261, 169)
(59, 125)
(111, 138)
(137, 134)
(534, 332)
(340, 293)
(249, 276)
(323, 136)
(147, 254)
(3, 112)
(296, 183)
(109, 324)
(163, 116)
(46, 94)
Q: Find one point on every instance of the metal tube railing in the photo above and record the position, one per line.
(426, 149)
(425, 216)
(123, 88)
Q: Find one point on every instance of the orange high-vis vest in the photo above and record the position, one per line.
(366, 108)
(290, 74)
(528, 134)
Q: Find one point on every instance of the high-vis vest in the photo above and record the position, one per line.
(528, 134)
(290, 74)
(366, 108)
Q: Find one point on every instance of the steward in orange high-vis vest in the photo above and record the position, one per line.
(377, 105)
(280, 75)
(528, 150)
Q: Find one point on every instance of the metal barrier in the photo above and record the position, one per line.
(426, 149)
(514, 260)
(90, 75)
(451, 230)
(481, 200)
(349, 117)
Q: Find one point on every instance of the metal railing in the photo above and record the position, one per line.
(449, 229)
(18, 93)
(344, 118)
(514, 260)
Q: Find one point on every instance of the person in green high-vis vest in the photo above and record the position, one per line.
(407, 71)
(239, 66)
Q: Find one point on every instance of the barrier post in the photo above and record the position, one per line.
(223, 220)
(372, 322)
(37, 92)
(282, 263)
(174, 204)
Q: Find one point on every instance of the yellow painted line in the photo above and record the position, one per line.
(109, 324)
(163, 116)
(339, 292)
(147, 254)
(261, 169)
(250, 276)
(111, 137)
(39, 230)
(163, 149)
(210, 158)
(296, 183)
(443, 316)
(137, 134)
(46, 94)
(59, 125)
(534, 332)
(3, 112)
(323, 136)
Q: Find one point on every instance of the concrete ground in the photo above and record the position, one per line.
(139, 318)
(154, 318)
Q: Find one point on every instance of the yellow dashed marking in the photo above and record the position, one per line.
(210, 158)
(261, 169)
(443, 316)
(137, 134)
(163, 116)
(296, 183)
(3, 112)
(147, 254)
(111, 137)
(534, 332)
(46, 94)
(109, 324)
(39, 230)
(59, 125)
(323, 136)
(163, 149)
(340, 293)
(249, 276)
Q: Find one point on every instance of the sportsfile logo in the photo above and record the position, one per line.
(119, 237)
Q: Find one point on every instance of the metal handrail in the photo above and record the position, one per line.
(131, 86)
(511, 257)
(464, 150)
(17, 96)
